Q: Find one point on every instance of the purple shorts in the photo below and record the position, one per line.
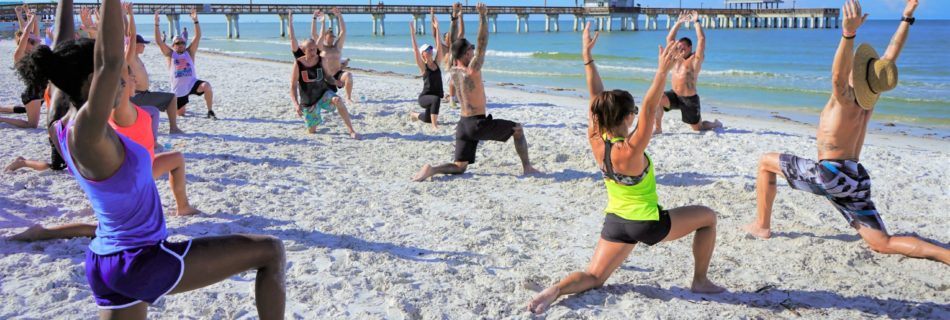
(144, 274)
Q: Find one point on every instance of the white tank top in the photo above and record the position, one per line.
(183, 73)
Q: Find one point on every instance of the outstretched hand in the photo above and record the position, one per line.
(157, 20)
(909, 9)
(481, 8)
(588, 41)
(456, 9)
(194, 14)
(853, 19)
(668, 57)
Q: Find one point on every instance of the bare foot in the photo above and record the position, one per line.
(175, 131)
(543, 300)
(32, 233)
(657, 131)
(413, 116)
(530, 170)
(758, 232)
(355, 135)
(705, 286)
(17, 163)
(187, 211)
(423, 174)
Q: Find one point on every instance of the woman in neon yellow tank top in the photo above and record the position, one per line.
(633, 213)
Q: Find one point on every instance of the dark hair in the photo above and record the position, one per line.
(17, 35)
(686, 41)
(68, 68)
(611, 107)
(459, 47)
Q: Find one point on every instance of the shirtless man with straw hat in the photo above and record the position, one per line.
(858, 80)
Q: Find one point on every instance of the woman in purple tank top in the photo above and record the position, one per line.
(130, 262)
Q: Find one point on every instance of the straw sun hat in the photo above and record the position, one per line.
(871, 76)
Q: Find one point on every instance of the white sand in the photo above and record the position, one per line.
(364, 242)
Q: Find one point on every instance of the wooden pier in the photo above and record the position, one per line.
(604, 18)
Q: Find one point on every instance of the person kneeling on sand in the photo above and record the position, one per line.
(309, 81)
(427, 60)
(474, 124)
(181, 63)
(858, 78)
(633, 213)
(115, 174)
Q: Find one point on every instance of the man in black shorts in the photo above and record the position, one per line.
(475, 124)
(685, 74)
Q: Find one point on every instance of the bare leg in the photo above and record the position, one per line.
(521, 146)
(341, 108)
(608, 256)
(435, 121)
(67, 231)
(214, 259)
(174, 164)
(428, 171)
(913, 247)
(209, 97)
(765, 195)
(172, 113)
(664, 103)
(348, 85)
(685, 220)
(32, 116)
(137, 311)
(20, 162)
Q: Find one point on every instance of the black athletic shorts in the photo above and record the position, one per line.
(56, 161)
(30, 95)
(689, 106)
(470, 130)
(159, 100)
(617, 229)
(182, 101)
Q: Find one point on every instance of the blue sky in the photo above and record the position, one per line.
(879, 9)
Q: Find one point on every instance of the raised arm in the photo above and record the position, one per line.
(437, 38)
(453, 26)
(290, 30)
(594, 84)
(90, 123)
(667, 58)
(479, 59)
(166, 51)
(700, 40)
(342, 37)
(25, 39)
(680, 20)
(415, 48)
(844, 57)
(317, 17)
(20, 22)
(64, 28)
(461, 23)
(897, 42)
(86, 24)
(130, 50)
(193, 47)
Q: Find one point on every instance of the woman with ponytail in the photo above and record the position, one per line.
(633, 214)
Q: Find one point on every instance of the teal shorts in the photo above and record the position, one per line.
(312, 114)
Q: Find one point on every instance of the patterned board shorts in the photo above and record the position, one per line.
(312, 114)
(844, 182)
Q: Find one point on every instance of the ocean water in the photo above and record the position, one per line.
(767, 71)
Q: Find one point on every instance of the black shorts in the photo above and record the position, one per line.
(182, 101)
(689, 106)
(159, 100)
(30, 95)
(617, 229)
(470, 130)
(56, 161)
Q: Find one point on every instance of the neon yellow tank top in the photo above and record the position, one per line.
(631, 202)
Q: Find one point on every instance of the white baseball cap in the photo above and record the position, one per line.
(425, 47)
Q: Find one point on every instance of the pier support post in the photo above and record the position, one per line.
(836, 22)
(669, 20)
(494, 22)
(547, 23)
(283, 24)
(234, 29)
(522, 19)
(379, 24)
(174, 28)
(227, 18)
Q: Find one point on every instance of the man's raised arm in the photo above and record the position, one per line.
(193, 47)
(479, 59)
(158, 35)
(897, 42)
(682, 18)
(844, 57)
(700, 37)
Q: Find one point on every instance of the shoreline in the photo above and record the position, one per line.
(787, 116)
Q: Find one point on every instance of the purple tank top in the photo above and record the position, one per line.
(127, 204)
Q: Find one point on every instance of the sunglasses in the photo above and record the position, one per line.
(178, 43)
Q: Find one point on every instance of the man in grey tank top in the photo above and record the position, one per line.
(180, 59)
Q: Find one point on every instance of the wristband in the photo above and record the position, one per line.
(910, 20)
(848, 35)
(589, 62)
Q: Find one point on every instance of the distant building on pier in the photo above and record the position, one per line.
(609, 3)
(753, 4)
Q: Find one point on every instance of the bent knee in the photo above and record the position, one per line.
(769, 162)
(518, 130)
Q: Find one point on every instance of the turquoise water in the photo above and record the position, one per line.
(774, 70)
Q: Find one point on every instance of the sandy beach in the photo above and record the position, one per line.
(363, 242)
